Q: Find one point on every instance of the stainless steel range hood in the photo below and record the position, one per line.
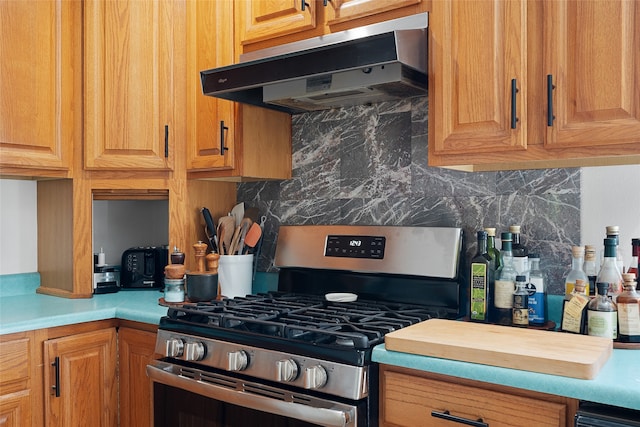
(363, 65)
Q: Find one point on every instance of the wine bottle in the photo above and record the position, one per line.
(481, 281)
(505, 284)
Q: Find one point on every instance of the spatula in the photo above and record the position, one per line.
(226, 227)
(253, 236)
(237, 212)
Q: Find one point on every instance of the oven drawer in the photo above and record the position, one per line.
(413, 401)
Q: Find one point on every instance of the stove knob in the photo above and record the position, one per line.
(315, 377)
(286, 370)
(174, 347)
(193, 351)
(238, 360)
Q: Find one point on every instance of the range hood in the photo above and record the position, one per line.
(379, 62)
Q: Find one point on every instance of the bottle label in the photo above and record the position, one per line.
(503, 297)
(573, 312)
(520, 311)
(629, 319)
(603, 324)
(535, 287)
(478, 291)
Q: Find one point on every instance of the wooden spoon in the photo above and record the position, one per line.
(226, 226)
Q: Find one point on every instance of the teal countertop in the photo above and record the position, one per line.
(617, 383)
(28, 312)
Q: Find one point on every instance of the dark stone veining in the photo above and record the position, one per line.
(368, 165)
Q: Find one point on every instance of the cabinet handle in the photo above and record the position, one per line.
(325, 2)
(304, 4)
(445, 415)
(166, 141)
(223, 128)
(514, 112)
(550, 88)
(56, 386)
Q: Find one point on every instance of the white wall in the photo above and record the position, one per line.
(18, 227)
(610, 196)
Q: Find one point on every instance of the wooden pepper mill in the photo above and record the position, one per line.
(212, 260)
(200, 252)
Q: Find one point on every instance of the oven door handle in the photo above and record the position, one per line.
(159, 372)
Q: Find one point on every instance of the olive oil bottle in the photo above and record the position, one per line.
(481, 282)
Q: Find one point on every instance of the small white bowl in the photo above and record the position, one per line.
(341, 297)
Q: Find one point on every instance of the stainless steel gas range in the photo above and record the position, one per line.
(301, 355)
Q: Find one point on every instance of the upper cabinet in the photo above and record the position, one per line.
(132, 64)
(263, 24)
(225, 140)
(530, 84)
(41, 86)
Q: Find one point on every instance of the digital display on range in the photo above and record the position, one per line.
(355, 246)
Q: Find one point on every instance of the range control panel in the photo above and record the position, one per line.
(355, 246)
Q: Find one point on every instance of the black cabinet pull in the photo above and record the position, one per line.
(223, 128)
(550, 88)
(166, 141)
(325, 2)
(445, 415)
(304, 4)
(514, 91)
(56, 386)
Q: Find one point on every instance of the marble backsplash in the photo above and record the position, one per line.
(368, 165)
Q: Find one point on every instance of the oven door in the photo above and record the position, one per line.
(184, 395)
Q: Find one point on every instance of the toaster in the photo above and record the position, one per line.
(143, 267)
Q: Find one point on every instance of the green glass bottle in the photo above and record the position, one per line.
(493, 252)
(481, 281)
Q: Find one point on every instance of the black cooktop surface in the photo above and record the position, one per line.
(300, 323)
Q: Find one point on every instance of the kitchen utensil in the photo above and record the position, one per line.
(237, 212)
(235, 240)
(253, 236)
(244, 228)
(200, 251)
(226, 226)
(547, 352)
(211, 229)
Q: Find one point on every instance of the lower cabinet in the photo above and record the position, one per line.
(81, 387)
(135, 351)
(414, 398)
(18, 391)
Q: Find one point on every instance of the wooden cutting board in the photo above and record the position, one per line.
(569, 355)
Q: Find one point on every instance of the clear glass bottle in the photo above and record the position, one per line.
(520, 311)
(493, 252)
(613, 232)
(574, 310)
(505, 284)
(602, 314)
(481, 282)
(536, 287)
(520, 252)
(609, 272)
(629, 311)
(576, 272)
(590, 267)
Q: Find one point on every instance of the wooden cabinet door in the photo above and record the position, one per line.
(130, 55)
(260, 20)
(211, 121)
(40, 88)
(16, 399)
(15, 409)
(85, 381)
(135, 350)
(478, 51)
(345, 10)
(592, 52)
(414, 401)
